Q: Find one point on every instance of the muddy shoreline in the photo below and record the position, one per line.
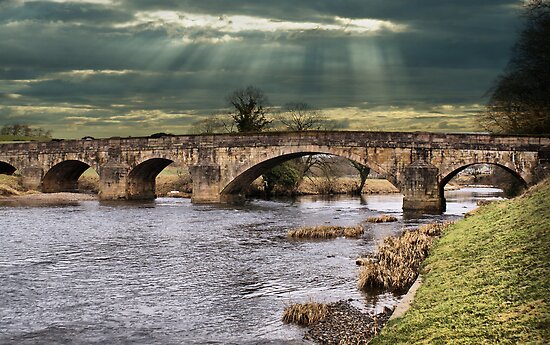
(46, 199)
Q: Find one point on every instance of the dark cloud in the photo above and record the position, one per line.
(120, 59)
(313, 10)
(62, 12)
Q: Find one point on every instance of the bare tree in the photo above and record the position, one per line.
(520, 100)
(364, 172)
(302, 117)
(214, 124)
(250, 112)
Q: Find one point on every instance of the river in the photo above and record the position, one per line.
(171, 272)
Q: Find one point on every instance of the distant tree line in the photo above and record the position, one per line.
(25, 130)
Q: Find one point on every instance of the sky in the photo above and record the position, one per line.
(130, 68)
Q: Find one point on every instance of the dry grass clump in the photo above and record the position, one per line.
(10, 185)
(326, 231)
(385, 218)
(362, 261)
(484, 202)
(304, 314)
(8, 191)
(434, 229)
(397, 262)
(394, 279)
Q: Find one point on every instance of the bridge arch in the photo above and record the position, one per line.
(7, 168)
(63, 176)
(518, 164)
(141, 183)
(517, 177)
(247, 174)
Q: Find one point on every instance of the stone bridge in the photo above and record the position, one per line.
(418, 164)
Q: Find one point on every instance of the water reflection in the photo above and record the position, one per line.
(174, 272)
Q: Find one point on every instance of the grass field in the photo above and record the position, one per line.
(486, 281)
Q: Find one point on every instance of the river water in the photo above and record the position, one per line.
(170, 272)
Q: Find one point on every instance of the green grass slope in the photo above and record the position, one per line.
(486, 281)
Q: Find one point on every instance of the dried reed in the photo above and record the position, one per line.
(485, 202)
(385, 218)
(304, 314)
(397, 262)
(326, 231)
(434, 229)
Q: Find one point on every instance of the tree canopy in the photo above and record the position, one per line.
(520, 99)
(25, 131)
(249, 109)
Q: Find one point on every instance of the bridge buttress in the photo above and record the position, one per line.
(113, 181)
(421, 190)
(32, 177)
(206, 183)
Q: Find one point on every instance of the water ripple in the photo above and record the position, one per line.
(172, 272)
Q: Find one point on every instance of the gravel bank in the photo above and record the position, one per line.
(345, 324)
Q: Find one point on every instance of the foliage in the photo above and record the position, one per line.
(486, 279)
(520, 100)
(285, 175)
(250, 113)
(19, 130)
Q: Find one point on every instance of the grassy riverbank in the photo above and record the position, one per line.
(486, 281)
